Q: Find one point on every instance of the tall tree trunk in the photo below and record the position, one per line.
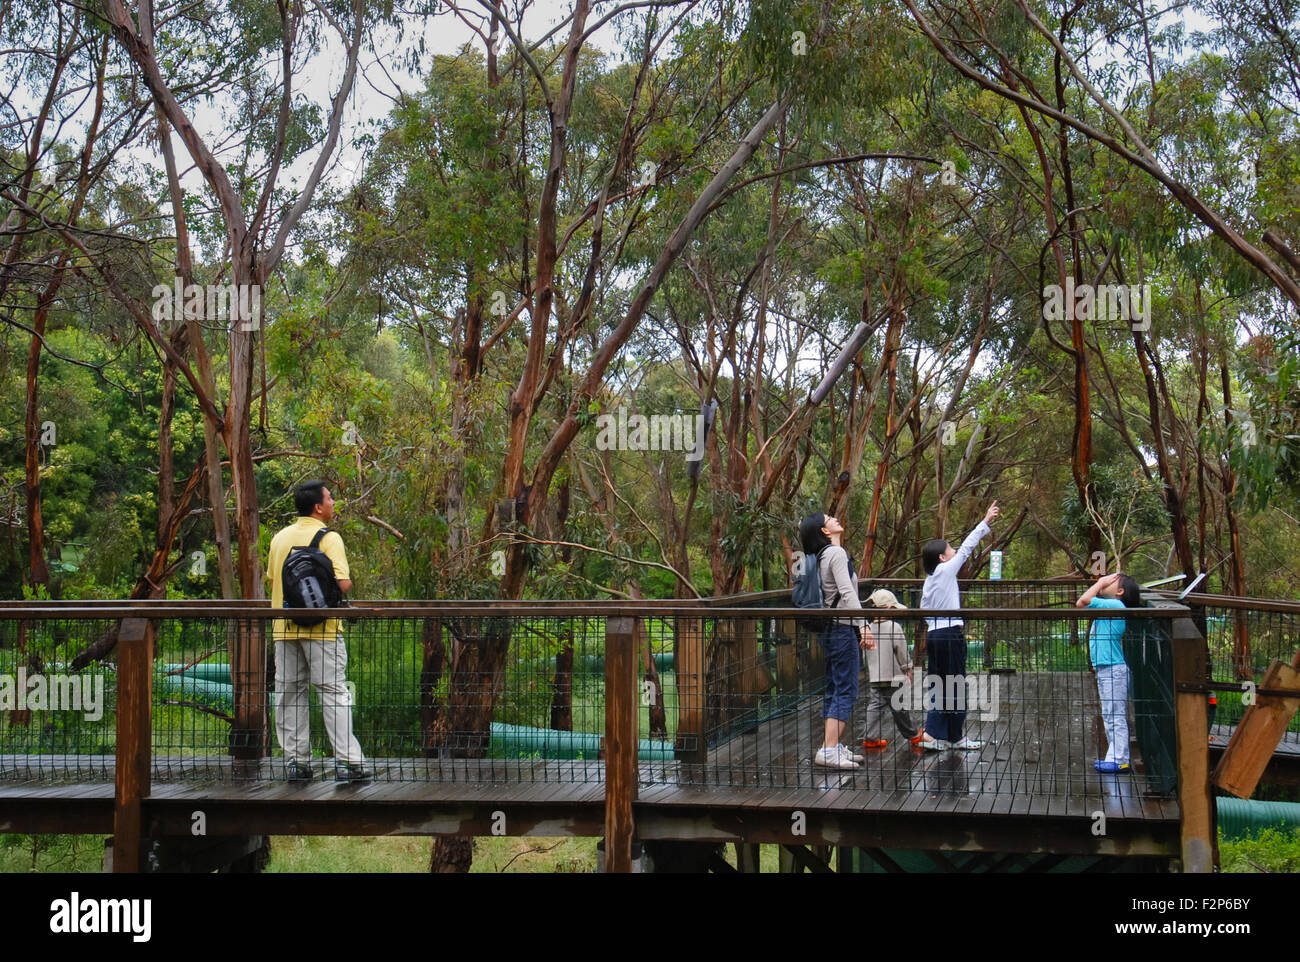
(435, 658)
(1241, 656)
(38, 570)
(1174, 504)
(893, 338)
(203, 364)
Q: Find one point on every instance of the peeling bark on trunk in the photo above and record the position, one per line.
(431, 668)
(1241, 654)
(1174, 504)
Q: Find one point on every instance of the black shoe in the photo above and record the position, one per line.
(352, 773)
(300, 772)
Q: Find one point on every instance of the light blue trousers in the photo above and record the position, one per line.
(1112, 689)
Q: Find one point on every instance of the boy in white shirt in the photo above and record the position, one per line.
(945, 639)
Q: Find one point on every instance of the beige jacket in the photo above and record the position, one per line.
(889, 660)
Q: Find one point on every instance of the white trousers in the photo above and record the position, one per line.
(1112, 689)
(322, 664)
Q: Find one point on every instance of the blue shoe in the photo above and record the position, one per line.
(1111, 768)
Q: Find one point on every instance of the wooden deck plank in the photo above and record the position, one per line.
(1036, 762)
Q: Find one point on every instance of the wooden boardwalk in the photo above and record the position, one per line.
(1039, 747)
(1030, 788)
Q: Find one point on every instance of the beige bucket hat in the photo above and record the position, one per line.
(884, 598)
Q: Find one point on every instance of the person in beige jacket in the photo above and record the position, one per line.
(888, 666)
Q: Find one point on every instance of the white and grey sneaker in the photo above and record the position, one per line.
(835, 757)
(968, 745)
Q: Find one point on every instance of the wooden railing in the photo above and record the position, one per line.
(135, 662)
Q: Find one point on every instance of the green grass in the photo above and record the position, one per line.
(411, 854)
(51, 853)
(1272, 850)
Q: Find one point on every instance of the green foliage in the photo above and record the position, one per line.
(1126, 507)
(1272, 850)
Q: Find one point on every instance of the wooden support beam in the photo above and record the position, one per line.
(747, 858)
(134, 739)
(884, 861)
(785, 862)
(1260, 730)
(843, 858)
(806, 860)
(1191, 671)
(620, 742)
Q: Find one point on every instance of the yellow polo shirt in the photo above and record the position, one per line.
(299, 535)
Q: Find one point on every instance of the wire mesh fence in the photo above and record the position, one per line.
(1243, 639)
(725, 697)
(1035, 723)
(56, 722)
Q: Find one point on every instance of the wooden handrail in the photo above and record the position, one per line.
(49, 611)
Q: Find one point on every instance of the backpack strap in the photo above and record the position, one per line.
(315, 542)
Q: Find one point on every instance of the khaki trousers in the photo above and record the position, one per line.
(324, 665)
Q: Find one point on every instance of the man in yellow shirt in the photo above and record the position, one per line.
(314, 655)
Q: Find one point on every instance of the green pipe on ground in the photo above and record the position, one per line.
(552, 743)
(511, 740)
(593, 663)
(208, 671)
(188, 688)
(1239, 817)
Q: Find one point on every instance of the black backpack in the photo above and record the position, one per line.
(309, 582)
(808, 590)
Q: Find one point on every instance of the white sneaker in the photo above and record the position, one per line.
(935, 744)
(834, 758)
(857, 759)
(968, 745)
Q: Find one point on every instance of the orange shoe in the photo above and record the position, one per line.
(875, 743)
(917, 738)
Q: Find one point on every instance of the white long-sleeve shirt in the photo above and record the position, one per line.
(940, 591)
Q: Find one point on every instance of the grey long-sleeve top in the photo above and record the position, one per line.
(839, 589)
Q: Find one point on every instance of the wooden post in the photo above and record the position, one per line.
(620, 742)
(1261, 728)
(748, 858)
(134, 739)
(688, 655)
(1196, 806)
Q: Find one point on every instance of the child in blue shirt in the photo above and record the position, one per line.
(1107, 653)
